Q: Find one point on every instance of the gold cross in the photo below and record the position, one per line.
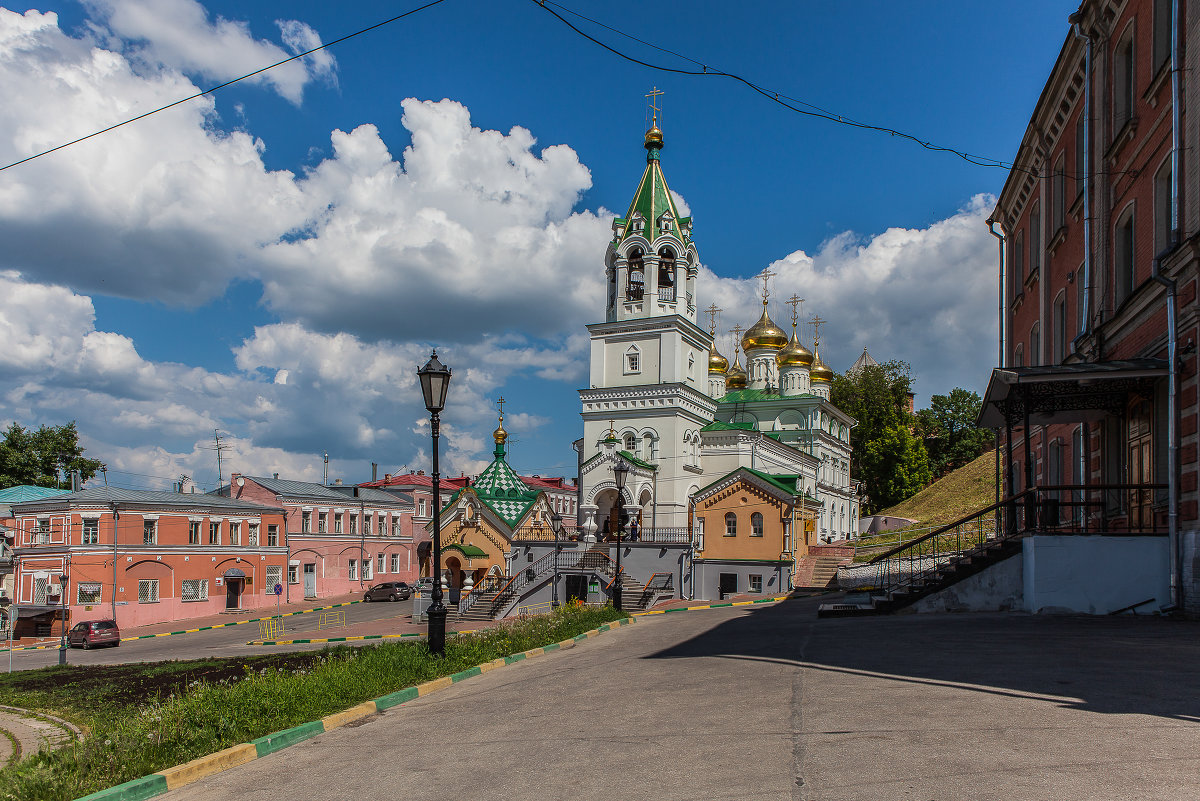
(654, 94)
(737, 335)
(712, 312)
(500, 403)
(794, 301)
(612, 432)
(816, 322)
(766, 275)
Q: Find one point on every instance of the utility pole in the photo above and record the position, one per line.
(116, 515)
(220, 447)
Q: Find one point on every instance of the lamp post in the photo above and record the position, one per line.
(620, 474)
(62, 645)
(556, 523)
(435, 378)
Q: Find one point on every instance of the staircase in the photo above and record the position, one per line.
(824, 570)
(481, 608)
(935, 561)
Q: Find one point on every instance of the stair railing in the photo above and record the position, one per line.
(489, 584)
(529, 573)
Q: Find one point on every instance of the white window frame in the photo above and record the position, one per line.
(395, 563)
(235, 533)
(631, 363)
(91, 531)
(730, 517)
(194, 532)
(277, 572)
(352, 570)
(750, 581)
(381, 564)
(272, 535)
(214, 533)
(293, 574)
(91, 586)
(367, 572)
(756, 532)
(201, 590)
(150, 591)
(252, 534)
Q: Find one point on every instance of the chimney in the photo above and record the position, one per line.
(337, 482)
(420, 472)
(387, 476)
(234, 490)
(374, 471)
(275, 476)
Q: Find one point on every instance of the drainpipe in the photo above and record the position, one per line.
(1000, 237)
(1085, 312)
(1172, 429)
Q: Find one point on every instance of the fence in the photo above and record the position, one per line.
(331, 619)
(270, 629)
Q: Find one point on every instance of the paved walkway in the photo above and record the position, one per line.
(22, 735)
(767, 702)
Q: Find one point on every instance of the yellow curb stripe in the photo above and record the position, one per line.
(435, 685)
(208, 765)
(565, 644)
(490, 666)
(353, 713)
(534, 652)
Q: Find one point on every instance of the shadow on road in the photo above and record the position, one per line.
(1142, 665)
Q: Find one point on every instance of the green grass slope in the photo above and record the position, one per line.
(953, 496)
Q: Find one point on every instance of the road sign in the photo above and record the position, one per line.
(278, 589)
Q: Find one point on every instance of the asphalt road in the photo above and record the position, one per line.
(770, 703)
(229, 641)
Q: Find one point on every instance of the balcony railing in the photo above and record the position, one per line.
(666, 294)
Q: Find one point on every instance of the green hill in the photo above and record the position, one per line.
(953, 496)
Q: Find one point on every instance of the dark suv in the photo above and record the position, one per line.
(388, 591)
(94, 632)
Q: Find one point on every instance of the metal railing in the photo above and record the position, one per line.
(529, 573)
(1122, 509)
(666, 294)
(489, 584)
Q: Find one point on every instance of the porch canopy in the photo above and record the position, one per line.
(1066, 393)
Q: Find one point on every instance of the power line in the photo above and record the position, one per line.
(784, 100)
(223, 85)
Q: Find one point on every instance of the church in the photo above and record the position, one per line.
(719, 454)
(698, 478)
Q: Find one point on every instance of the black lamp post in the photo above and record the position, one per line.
(435, 378)
(620, 473)
(556, 522)
(62, 645)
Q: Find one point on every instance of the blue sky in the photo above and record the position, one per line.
(274, 262)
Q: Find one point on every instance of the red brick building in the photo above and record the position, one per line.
(1098, 225)
(143, 556)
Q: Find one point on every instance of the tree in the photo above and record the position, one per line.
(43, 458)
(949, 431)
(886, 455)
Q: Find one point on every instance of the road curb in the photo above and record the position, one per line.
(160, 782)
(774, 599)
(201, 628)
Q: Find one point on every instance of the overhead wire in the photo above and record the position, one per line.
(223, 85)
(780, 98)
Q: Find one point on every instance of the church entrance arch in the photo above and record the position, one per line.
(610, 514)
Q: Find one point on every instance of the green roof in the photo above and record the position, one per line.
(785, 482)
(28, 492)
(469, 551)
(503, 491)
(755, 395)
(629, 457)
(717, 425)
(651, 200)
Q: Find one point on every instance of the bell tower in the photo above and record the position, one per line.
(649, 387)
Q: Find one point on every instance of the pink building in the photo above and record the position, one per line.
(142, 556)
(340, 539)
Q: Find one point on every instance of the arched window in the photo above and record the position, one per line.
(633, 360)
(1035, 345)
(637, 276)
(1123, 274)
(666, 274)
(756, 525)
(730, 524)
(631, 443)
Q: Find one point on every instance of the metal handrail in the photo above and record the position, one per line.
(522, 577)
(650, 581)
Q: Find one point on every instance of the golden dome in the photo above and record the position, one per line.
(716, 362)
(764, 334)
(820, 370)
(654, 137)
(736, 377)
(795, 354)
(500, 435)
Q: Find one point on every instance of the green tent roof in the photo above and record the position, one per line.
(469, 551)
(652, 198)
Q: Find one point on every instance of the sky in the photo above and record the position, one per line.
(274, 260)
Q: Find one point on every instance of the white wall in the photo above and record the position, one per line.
(1095, 575)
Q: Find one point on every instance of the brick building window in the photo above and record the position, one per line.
(214, 533)
(235, 533)
(193, 590)
(1058, 189)
(149, 532)
(43, 532)
(91, 531)
(272, 535)
(1162, 207)
(1081, 165)
(756, 525)
(395, 563)
(1060, 329)
(252, 534)
(274, 575)
(148, 591)
(1123, 83)
(380, 565)
(337, 523)
(1035, 238)
(366, 568)
(88, 592)
(293, 574)
(352, 570)
(321, 523)
(1018, 261)
(305, 522)
(730, 524)
(194, 532)
(1123, 273)
(381, 523)
(1162, 34)
(353, 524)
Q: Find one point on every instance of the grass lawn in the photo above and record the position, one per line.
(140, 718)
(953, 496)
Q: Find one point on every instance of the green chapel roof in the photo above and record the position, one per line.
(652, 198)
(629, 457)
(755, 396)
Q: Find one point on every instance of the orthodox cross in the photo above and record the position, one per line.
(766, 275)
(712, 312)
(612, 432)
(500, 404)
(794, 301)
(816, 322)
(737, 335)
(654, 95)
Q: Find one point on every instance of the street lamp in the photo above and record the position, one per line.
(62, 645)
(556, 522)
(621, 474)
(435, 378)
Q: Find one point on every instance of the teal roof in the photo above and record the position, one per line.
(503, 491)
(27, 492)
(629, 457)
(651, 200)
(754, 395)
(785, 482)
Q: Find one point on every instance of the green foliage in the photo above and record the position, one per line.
(43, 458)
(949, 432)
(182, 718)
(885, 454)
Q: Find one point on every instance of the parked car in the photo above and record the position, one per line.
(388, 591)
(94, 632)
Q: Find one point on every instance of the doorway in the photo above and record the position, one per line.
(233, 593)
(310, 580)
(577, 588)
(727, 585)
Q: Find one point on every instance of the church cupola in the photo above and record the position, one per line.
(820, 373)
(718, 365)
(794, 360)
(652, 262)
(735, 377)
(762, 342)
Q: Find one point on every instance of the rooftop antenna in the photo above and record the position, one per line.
(325, 481)
(220, 446)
